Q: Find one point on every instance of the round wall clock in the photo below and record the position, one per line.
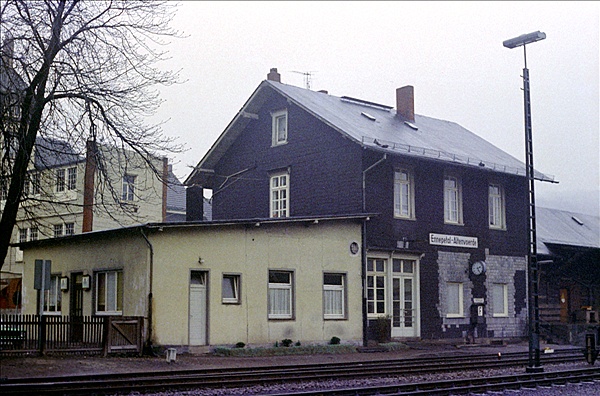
(478, 267)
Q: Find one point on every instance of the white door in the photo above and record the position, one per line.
(198, 285)
(405, 313)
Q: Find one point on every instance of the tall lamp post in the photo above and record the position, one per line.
(532, 263)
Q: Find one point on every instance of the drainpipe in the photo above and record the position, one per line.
(148, 343)
(363, 272)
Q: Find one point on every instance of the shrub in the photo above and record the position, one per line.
(298, 343)
(240, 345)
(334, 341)
(286, 343)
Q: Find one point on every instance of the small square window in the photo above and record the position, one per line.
(230, 289)
(500, 299)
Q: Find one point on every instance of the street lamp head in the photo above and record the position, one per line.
(524, 39)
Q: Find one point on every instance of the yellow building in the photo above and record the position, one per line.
(216, 283)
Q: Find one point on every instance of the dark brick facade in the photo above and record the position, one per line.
(326, 171)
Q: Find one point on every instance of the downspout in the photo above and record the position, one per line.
(363, 272)
(148, 343)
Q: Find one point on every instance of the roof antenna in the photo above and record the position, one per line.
(307, 77)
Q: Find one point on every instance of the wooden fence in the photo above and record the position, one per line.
(27, 334)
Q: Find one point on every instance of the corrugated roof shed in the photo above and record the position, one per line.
(559, 227)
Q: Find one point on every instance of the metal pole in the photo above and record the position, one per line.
(532, 264)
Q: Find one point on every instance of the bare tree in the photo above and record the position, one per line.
(79, 71)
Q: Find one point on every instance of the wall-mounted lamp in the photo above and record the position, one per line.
(200, 260)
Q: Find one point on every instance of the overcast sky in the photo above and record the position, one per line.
(451, 52)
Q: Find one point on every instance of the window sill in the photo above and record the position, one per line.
(499, 315)
(116, 313)
(453, 224)
(396, 217)
(497, 228)
(455, 316)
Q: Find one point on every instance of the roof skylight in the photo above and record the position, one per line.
(369, 116)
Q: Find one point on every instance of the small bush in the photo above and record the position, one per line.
(334, 341)
(240, 345)
(298, 343)
(286, 343)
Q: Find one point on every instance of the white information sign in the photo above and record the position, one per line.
(453, 240)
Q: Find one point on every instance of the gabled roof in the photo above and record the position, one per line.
(373, 126)
(559, 227)
(50, 153)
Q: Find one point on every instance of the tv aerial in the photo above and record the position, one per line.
(307, 77)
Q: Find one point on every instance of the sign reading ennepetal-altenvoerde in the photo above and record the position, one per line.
(453, 240)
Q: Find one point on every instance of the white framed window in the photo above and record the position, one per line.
(230, 289)
(22, 235)
(33, 234)
(35, 183)
(72, 178)
(3, 189)
(496, 207)
(454, 299)
(280, 295)
(279, 127)
(403, 194)
(53, 296)
(334, 296)
(58, 230)
(279, 190)
(376, 287)
(452, 200)
(128, 188)
(69, 228)
(60, 180)
(499, 299)
(109, 292)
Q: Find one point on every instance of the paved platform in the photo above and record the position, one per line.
(32, 366)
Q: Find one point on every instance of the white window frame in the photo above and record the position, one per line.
(377, 280)
(279, 195)
(404, 200)
(502, 289)
(61, 182)
(116, 278)
(334, 296)
(452, 194)
(279, 119)
(71, 180)
(496, 207)
(230, 289)
(58, 230)
(461, 310)
(129, 184)
(284, 290)
(23, 232)
(53, 297)
(33, 234)
(69, 229)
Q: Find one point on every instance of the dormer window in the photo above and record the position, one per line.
(279, 127)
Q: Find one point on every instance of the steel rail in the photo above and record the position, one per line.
(241, 377)
(464, 385)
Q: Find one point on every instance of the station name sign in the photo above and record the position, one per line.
(453, 240)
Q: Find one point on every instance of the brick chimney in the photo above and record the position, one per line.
(88, 186)
(405, 103)
(273, 75)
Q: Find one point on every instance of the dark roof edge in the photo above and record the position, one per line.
(198, 224)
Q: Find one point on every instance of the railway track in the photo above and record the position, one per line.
(251, 376)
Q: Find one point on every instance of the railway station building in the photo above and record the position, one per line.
(256, 281)
(445, 256)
